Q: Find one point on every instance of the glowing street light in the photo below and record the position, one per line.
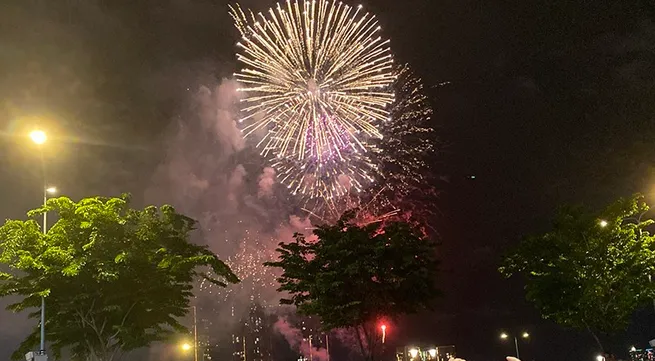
(505, 336)
(187, 345)
(51, 190)
(383, 327)
(413, 352)
(433, 353)
(38, 136)
(600, 358)
(603, 223)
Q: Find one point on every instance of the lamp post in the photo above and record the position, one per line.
(195, 335)
(187, 346)
(524, 335)
(39, 138)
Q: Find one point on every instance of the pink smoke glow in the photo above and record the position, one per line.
(294, 338)
(266, 182)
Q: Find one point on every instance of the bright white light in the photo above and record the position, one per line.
(633, 349)
(603, 223)
(413, 352)
(525, 335)
(186, 347)
(600, 358)
(433, 353)
(51, 190)
(38, 136)
(504, 335)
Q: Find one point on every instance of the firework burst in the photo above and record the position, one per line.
(398, 165)
(317, 77)
(404, 155)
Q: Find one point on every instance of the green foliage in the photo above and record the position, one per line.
(351, 275)
(115, 278)
(586, 275)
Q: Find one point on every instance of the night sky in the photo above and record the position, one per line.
(537, 103)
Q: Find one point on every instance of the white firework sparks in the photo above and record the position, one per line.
(317, 77)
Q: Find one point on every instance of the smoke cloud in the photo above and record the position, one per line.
(210, 173)
(298, 343)
(266, 182)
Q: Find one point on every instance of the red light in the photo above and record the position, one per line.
(383, 327)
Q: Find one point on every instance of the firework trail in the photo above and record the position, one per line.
(317, 77)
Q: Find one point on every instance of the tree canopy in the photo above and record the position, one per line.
(592, 270)
(352, 276)
(114, 278)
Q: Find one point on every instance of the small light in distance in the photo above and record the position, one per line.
(51, 190)
(186, 346)
(433, 353)
(413, 352)
(504, 335)
(633, 349)
(525, 335)
(600, 358)
(603, 223)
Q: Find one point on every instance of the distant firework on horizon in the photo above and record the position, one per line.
(318, 82)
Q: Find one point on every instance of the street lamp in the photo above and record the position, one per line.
(524, 335)
(384, 332)
(413, 352)
(188, 346)
(38, 136)
(603, 223)
(195, 334)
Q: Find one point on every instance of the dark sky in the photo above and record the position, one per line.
(547, 102)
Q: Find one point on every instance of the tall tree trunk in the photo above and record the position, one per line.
(600, 345)
(369, 343)
(359, 336)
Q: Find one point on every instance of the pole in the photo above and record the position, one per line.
(327, 345)
(45, 231)
(311, 358)
(244, 348)
(650, 279)
(195, 335)
(516, 343)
